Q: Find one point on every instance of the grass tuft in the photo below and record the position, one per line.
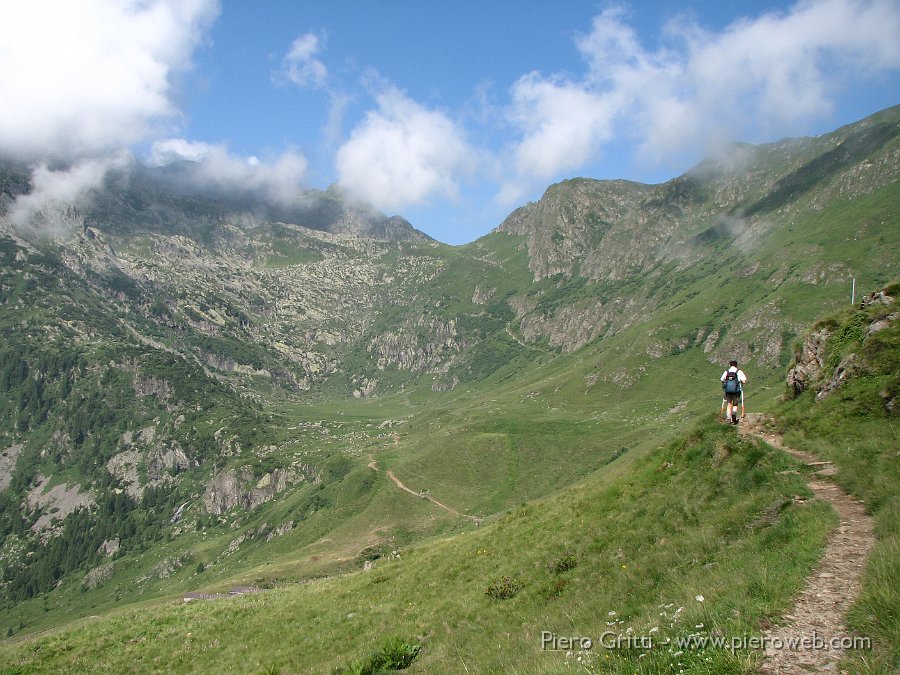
(394, 654)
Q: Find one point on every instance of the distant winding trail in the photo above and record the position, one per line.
(399, 483)
(833, 586)
(516, 338)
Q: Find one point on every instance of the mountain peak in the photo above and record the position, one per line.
(177, 198)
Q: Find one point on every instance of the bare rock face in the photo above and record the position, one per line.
(162, 461)
(442, 383)
(8, 459)
(167, 567)
(877, 298)
(426, 345)
(809, 362)
(238, 487)
(281, 530)
(226, 491)
(569, 328)
(109, 547)
(56, 502)
(366, 388)
(98, 576)
(848, 367)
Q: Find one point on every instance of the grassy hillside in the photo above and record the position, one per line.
(709, 534)
(239, 407)
(710, 515)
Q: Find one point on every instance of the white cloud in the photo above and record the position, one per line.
(402, 154)
(564, 125)
(758, 77)
(84, 77)
(300, 64)
(214, 167)
(53, 191)
(176, 149)
(775, 72)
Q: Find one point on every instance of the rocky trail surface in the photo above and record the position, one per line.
(834, 584)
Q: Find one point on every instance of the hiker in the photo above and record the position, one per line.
(733, 381)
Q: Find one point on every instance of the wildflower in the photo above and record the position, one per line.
(699, 598)
(654, 629)
(610, 614)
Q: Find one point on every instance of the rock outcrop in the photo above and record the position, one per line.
(808, 362)
(421, 347)
(810, 369)
(238, 487)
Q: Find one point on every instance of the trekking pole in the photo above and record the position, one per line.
(743, 410)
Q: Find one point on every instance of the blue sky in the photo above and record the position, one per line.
(451, 114)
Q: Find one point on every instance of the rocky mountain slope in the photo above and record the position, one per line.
(172, 199)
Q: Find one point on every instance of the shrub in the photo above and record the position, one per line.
(563, 563)
(503, 588)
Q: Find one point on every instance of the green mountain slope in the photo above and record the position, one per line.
(709, 535)
(200, 398)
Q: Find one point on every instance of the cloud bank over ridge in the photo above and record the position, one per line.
(88, 82)
(701, 90)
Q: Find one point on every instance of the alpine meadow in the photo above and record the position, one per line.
(242, 438)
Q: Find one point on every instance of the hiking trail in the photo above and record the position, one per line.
(373, 464)
(516, 338)
(833, 585)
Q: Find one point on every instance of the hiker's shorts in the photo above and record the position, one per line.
(733, 398)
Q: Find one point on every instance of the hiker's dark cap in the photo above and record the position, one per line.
(732, 363)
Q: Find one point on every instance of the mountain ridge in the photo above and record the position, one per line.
(178, 198)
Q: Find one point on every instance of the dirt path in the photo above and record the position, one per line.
(832, 587)
(515, 337)
(399, 483)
